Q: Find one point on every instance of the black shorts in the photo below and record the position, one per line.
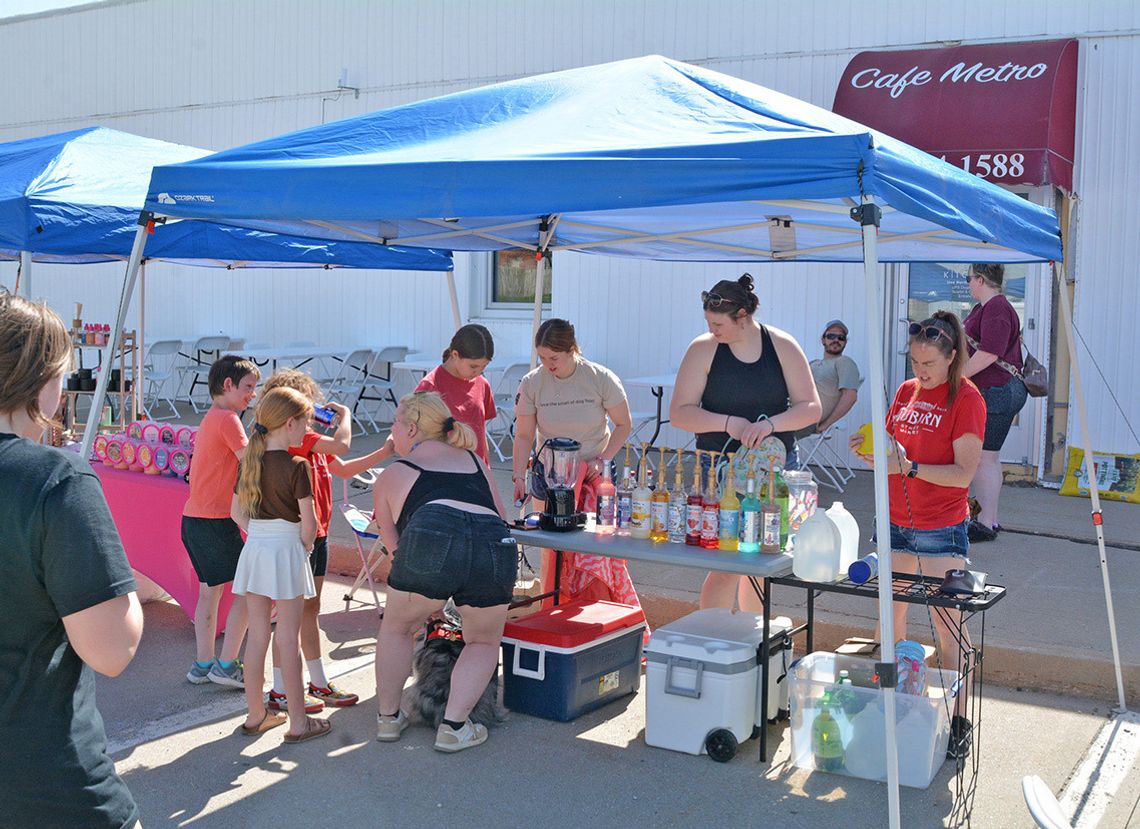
(447, 553)
(1002, 405)
(319, 558)
(214, 546)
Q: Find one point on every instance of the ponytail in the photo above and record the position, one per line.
(249, 474)
(430, 414)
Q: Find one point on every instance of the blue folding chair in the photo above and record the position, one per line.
(365, 533)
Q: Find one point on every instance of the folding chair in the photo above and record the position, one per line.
(828, 452)
(1042, 804)
(204, 351)
(346, 386)
(384, 385)
(157, 378)
(502, 427)
(363, 531)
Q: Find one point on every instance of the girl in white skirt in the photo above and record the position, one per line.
(273, 503)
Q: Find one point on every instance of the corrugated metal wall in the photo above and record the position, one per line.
(214, 73)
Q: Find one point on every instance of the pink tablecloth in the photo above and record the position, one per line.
(148, 513)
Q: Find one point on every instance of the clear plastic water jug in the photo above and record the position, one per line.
(815, 553)
(849, 533)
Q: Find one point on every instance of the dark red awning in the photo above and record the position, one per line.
(1003, 111)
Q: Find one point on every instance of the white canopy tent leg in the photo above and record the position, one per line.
(1090, 470)
(539, 280)
(868, 217)
(138, 389)
(455, 316)
(116, 335)
(24, 274)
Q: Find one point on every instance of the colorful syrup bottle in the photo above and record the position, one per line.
(639, 519)
(607, 502)
(730, 510)
(750, 516)
(770, 518)
(694, 506)
(710, 509)
(659, 505)
(624, 496)
(677, 505)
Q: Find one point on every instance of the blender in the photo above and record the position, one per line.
(561, 467)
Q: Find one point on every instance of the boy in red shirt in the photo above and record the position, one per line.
(211, 538)
(322, 452)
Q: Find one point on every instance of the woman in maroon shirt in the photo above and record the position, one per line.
(993, 333)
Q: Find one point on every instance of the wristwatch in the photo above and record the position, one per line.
(913, 471)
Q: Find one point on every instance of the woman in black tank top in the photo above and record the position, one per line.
(441, 517)
(738, 384)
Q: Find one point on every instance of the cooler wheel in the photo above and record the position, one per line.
(721, 745)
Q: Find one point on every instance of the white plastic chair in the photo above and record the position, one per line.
(346, 385)
(501, 428)
(828, 452)
(382, 385)
(204, 351)
(158, 376)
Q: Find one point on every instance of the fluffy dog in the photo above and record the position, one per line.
(425, 700)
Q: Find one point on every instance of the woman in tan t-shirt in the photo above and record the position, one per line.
(568, 396)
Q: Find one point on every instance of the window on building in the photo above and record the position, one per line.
(512, 279)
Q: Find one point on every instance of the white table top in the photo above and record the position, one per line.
(658, 552)
(308, 352)
(664, 381)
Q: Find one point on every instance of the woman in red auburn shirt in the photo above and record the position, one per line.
(937, 422)
(461, 384)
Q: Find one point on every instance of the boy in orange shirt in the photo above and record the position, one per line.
(210, 536)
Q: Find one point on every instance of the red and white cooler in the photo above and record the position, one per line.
(573, 658)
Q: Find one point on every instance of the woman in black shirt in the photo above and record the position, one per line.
(738, 384)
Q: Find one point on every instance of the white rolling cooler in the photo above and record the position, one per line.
(703, 681)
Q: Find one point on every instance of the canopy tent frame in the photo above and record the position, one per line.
(700, 167)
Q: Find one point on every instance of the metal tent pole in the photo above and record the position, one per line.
(1090, 470)
(24, 274)
(116, 336)
(868, 215)
(539, 279)
(455, 316)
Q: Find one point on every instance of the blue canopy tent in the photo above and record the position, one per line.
(644, 158)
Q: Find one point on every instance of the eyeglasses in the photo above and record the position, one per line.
(841, 337)
(930, 332)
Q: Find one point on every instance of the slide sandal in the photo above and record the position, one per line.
(314, 728)
(270, 720)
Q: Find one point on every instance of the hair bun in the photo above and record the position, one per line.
(745, 281)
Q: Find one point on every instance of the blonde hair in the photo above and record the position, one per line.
(427, 411)
(274, 409)
(292, 378)
(35, 348)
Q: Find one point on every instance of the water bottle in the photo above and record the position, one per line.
(864, 569)
(848, 532)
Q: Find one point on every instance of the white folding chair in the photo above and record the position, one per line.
(346, 385)
(501, 428)
(365, 533)
(382, 385)
(1042, 804)
(158, 374)
(828, 452)
(204, 351)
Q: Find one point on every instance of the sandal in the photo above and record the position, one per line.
(314, 728)
(270, 720)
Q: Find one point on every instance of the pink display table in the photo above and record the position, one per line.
(148, 513)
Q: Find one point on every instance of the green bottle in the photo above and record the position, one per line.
(826, 741)
(782, 499)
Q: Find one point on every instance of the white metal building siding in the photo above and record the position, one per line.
(214, 74)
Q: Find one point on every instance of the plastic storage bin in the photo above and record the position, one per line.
(573, 658)
(703, 681)
(922, 722)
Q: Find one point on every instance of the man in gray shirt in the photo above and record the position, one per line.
(836, 377)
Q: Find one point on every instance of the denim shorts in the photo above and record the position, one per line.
(445, 553)
(214, 546)
(1002, 405)
(944, 541)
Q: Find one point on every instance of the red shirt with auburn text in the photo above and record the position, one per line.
(926, 425)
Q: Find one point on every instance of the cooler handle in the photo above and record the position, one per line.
(678, 662)
(518, 670)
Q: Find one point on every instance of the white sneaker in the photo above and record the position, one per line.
(470, 735)
(389, 729)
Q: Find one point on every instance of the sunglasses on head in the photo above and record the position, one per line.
(930, 332)
(832, 336)
(711, 300)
